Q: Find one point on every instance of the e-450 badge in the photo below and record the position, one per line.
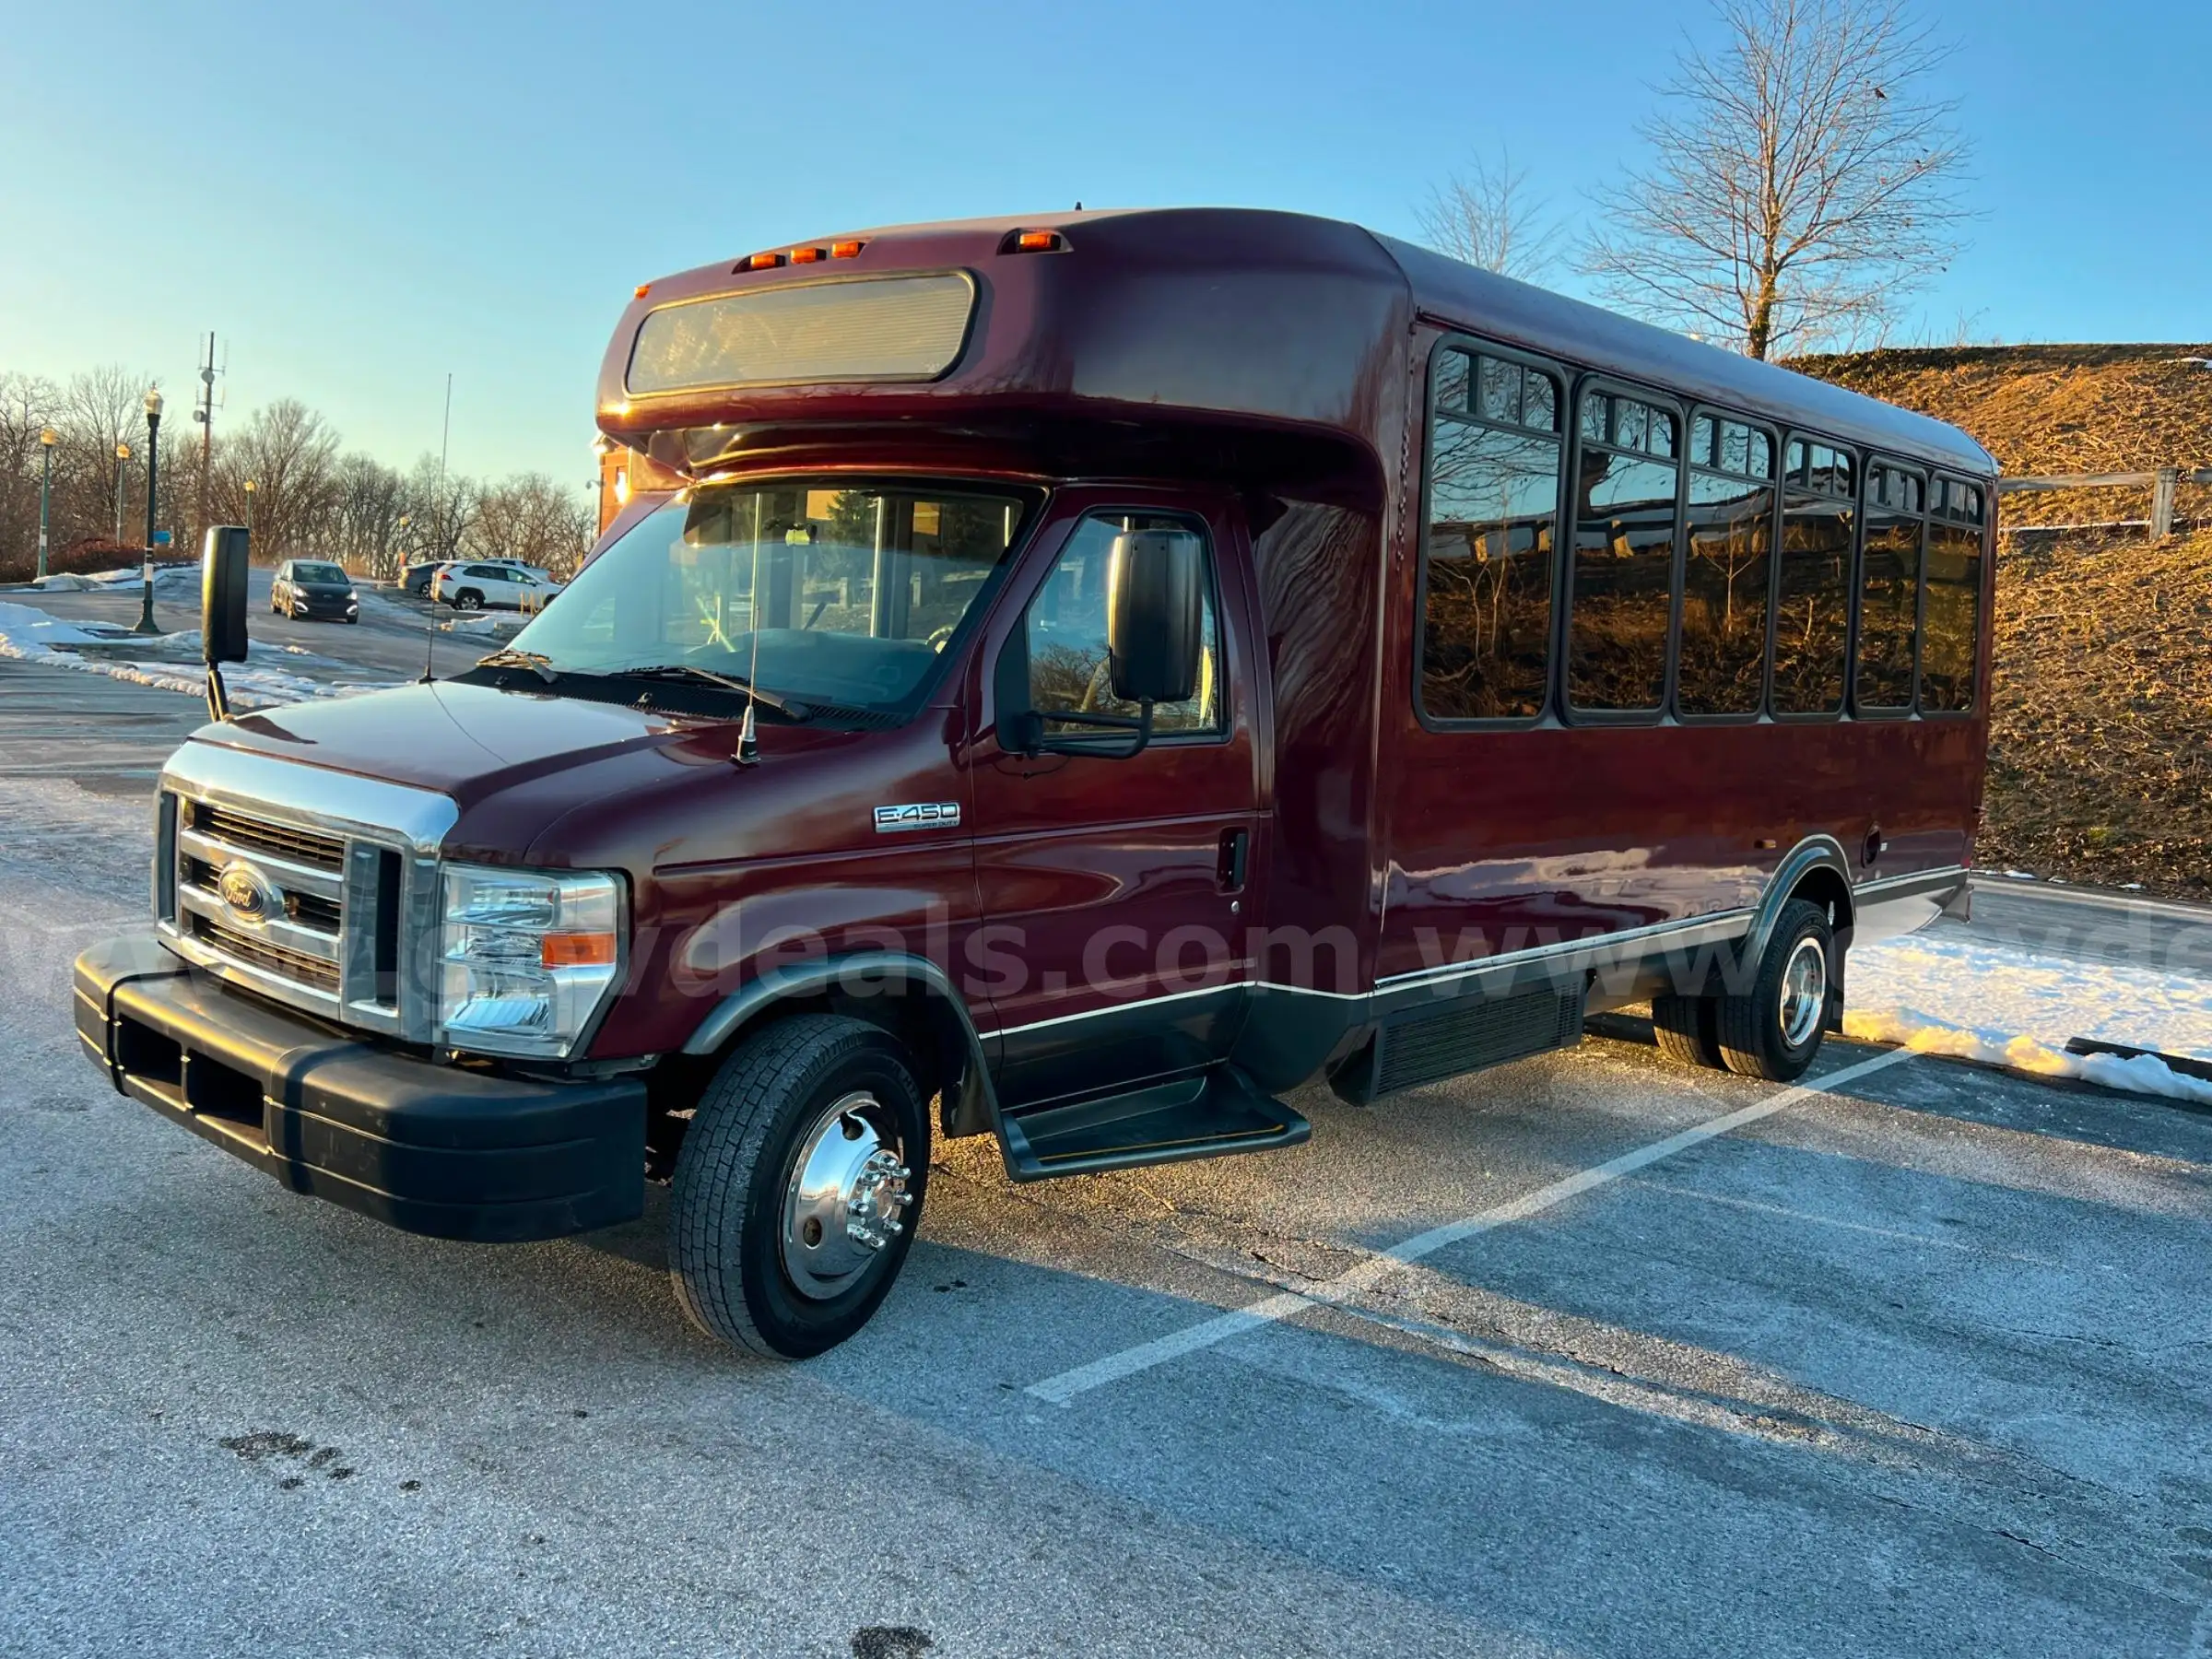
(917, 815)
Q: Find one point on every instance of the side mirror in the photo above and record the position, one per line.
(223, 595)
(223, 563)
(1155, 615)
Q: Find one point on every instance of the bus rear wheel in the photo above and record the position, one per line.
(1689, 1029)
(799, 1187)
(1774, 1029)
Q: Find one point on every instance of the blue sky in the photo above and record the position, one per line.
(362, 197)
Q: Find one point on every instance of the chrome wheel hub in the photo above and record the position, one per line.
(847, 1197)
(1804, 993)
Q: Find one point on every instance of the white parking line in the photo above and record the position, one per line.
(1062, 1389)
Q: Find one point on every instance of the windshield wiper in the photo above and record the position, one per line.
(507, 656)
(728, 681)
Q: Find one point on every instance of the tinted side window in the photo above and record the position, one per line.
(1950, 636)
(1812, 609)
(1493, 514)
(1069, 662)
(1624, 555)
(1731, 537)
(1888, 590)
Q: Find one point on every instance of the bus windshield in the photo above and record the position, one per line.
(851, 592)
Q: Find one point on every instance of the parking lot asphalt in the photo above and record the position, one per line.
(1909, 1360)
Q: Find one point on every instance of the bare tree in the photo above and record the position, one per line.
(1488, 217)
(1800, 182)
(291, 456)
(532, 518)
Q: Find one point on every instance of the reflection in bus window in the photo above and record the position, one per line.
(1889, 592)
(1724, 651)
(1624, 557)
(1812, 605)
(1069, 665)
(1493, 508)
(1950, 636)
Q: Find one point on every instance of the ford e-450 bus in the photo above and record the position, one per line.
(1097, 674)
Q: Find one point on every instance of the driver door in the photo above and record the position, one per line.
(1119, 892)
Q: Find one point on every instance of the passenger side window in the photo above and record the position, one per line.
(1069, 667)
(1812, 610)
(1950, 641)
(1890, 591)
(1624, 555)
(1493, 516)
(1731, 537)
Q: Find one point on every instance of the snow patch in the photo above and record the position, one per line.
(2005, 1006)
(30, 635)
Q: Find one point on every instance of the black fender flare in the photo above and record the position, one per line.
(970, 1108)
(1814, 852)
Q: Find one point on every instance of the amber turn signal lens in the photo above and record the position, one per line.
(846, 249)
(643, 289)
(577, 950)
(764, 262)
(806, 255)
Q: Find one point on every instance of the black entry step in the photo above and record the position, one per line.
(1205, 1116)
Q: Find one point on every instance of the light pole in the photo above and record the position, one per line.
(48, 438)
(122, 453)
(602, 446)
(147, 624)
(249, 511)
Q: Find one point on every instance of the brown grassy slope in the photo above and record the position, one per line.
(2056, 409)
(2100, 734)
(2100, 741)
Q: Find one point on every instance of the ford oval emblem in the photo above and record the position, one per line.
(247, 893)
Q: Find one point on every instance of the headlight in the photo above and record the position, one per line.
(526, 958)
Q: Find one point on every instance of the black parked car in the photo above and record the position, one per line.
(316, 588)
(415, 578)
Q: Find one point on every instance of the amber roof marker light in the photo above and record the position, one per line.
(761, 262)
(846, 249)
(1033, 242)
(807, 256)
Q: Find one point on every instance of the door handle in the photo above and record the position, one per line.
(1229, 869)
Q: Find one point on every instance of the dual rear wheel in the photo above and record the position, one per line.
(1773, 1028)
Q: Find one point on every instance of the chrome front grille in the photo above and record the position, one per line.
(314, 889)
(291, 930)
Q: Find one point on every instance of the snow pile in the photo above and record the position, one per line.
(2002, 1006)
(63, 582)
(484, 622)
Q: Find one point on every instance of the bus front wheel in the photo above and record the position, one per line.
(799, 1185)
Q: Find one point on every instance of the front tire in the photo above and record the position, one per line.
(1775, 1029)
(799, 1187)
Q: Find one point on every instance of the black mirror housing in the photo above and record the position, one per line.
(1155, 615)
(223, 595)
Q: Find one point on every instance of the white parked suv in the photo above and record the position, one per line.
(492, 584)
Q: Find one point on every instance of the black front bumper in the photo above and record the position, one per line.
(438, 1149)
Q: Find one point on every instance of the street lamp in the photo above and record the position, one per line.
(48, 438)
(122, 453)
(147, 624)
(249, 510)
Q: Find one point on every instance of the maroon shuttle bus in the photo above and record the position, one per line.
(1099, 673)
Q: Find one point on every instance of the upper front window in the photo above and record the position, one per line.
(846, 595)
